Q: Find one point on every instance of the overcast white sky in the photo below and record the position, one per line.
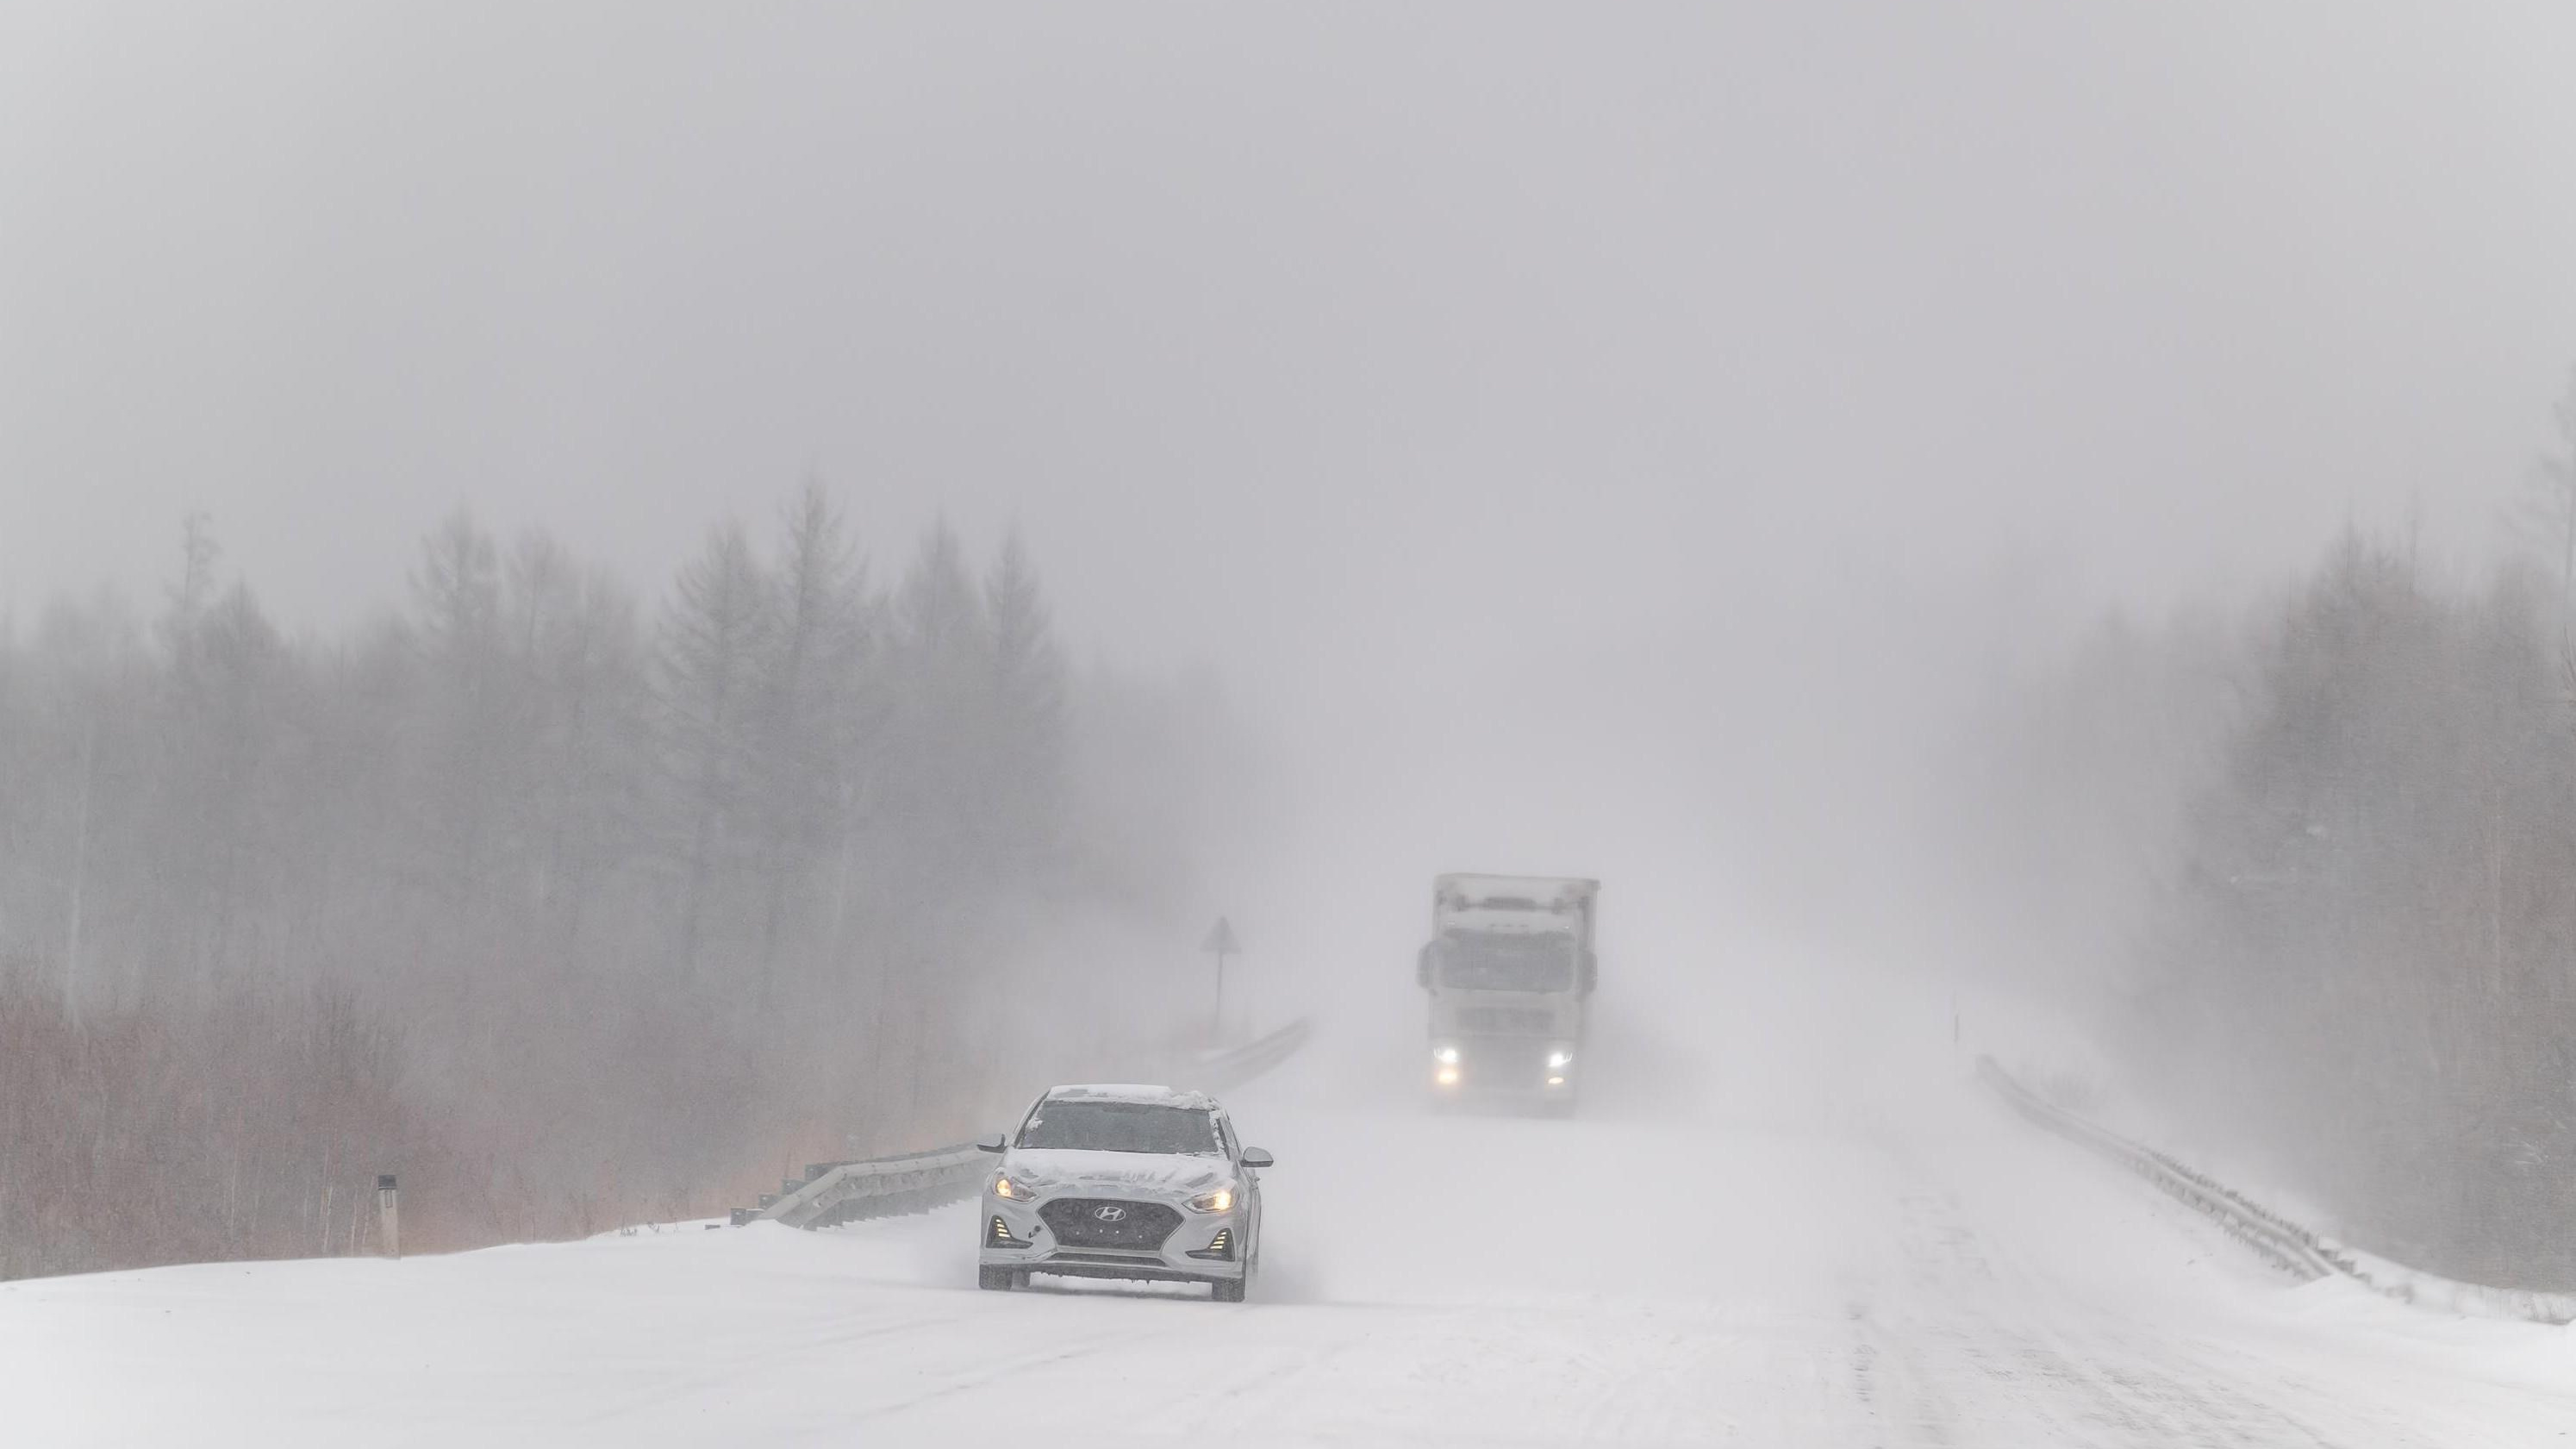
(1392, 355)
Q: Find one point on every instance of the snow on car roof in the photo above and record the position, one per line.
(1139, 1092)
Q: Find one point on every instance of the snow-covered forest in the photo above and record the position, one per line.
(665, 893)
(2321, 848)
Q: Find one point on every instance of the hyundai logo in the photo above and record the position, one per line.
(1110, 1213)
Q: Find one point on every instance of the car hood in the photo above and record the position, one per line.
(1061, 1170)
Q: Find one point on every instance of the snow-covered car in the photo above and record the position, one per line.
(1123, 1181)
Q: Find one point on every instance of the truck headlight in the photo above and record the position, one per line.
(1219, 1201)
(1446, 1056)
(1559, 1059)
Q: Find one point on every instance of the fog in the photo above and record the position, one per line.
(1369, 312)
(1645, 443)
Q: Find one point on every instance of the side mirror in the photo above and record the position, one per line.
(1255, 1158)
(995, 1142)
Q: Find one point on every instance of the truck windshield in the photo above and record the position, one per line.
(1119, 1127)
(1491, 961)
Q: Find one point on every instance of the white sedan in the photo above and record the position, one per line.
(1120, 1181)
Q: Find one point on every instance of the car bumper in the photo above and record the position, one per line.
(1503, 1068)
(1013, 1235)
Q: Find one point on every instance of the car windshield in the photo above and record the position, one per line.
(1494, 961)
(1120, 1127)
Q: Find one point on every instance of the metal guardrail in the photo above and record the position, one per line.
(832, 1193)
(2297, 1250)
(1221, 1070)
(839, 1192)
(2288, 1246)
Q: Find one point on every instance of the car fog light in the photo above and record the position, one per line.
(1447, 1076)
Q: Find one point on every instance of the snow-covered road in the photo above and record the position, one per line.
(1900, 1264)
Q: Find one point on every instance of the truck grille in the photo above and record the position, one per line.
(1088, 1222)
(1516, 1062)
(1523, 1019)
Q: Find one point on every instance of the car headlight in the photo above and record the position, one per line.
(1559, 1060)
(1219, 1201)
(1017, 1189)
(1446, 1056)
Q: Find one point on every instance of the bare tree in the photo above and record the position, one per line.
(653, 912)
(708, 673)
(2548, 508)
(810, 690)
(1027, 726)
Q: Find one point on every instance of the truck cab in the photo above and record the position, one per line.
(1509, 970)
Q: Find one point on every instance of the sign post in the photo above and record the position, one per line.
(1220, 943)
(388, 1215)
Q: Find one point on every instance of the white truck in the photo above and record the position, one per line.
(1510, 970)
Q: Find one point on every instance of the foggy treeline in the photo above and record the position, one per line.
(572, 909)
(2355, 811)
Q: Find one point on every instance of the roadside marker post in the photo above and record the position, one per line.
(389, 1214)
(1220, 943)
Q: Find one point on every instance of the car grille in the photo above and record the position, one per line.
(1505, 1019)
(1077, 1222)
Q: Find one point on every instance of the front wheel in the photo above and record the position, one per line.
(996, 1280)
(1227, 1290)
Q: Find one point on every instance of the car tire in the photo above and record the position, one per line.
(1227, 1290)
(997, 1280)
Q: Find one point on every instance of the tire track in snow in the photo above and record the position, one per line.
(992, 1371)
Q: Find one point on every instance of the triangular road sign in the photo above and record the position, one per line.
(1221, 940)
